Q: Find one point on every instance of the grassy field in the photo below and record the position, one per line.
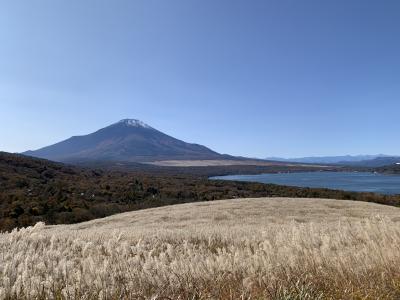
(269, 248)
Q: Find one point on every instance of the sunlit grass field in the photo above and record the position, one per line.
(269, 248)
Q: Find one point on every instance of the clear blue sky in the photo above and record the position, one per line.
(255, 78)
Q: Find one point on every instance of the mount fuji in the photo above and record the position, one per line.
(128, 140)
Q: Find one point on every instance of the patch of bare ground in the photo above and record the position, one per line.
(225, 162)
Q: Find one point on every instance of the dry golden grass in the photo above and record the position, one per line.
(232, 249)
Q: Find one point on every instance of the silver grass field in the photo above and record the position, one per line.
(269, 248)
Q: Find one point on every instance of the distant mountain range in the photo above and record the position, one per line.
(376, 162)
(128, 140)
(357, 160)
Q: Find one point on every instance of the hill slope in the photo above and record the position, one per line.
(271, 249)
(260, 211)
(390, 169)
(127, 140)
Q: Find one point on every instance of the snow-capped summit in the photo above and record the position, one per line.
(127, 140)
(134, 123)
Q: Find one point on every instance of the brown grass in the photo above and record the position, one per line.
(232, 249)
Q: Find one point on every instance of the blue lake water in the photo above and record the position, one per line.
(347, 181)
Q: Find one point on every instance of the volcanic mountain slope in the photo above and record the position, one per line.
(127, 140)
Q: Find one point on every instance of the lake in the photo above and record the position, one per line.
(347, 181)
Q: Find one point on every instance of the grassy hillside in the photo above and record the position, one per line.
(235, 249)
(33, 190)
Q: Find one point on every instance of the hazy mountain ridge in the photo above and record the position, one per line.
(343, 159)
(377, 162)
(126, 140)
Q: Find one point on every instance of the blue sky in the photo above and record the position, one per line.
(255, 78)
